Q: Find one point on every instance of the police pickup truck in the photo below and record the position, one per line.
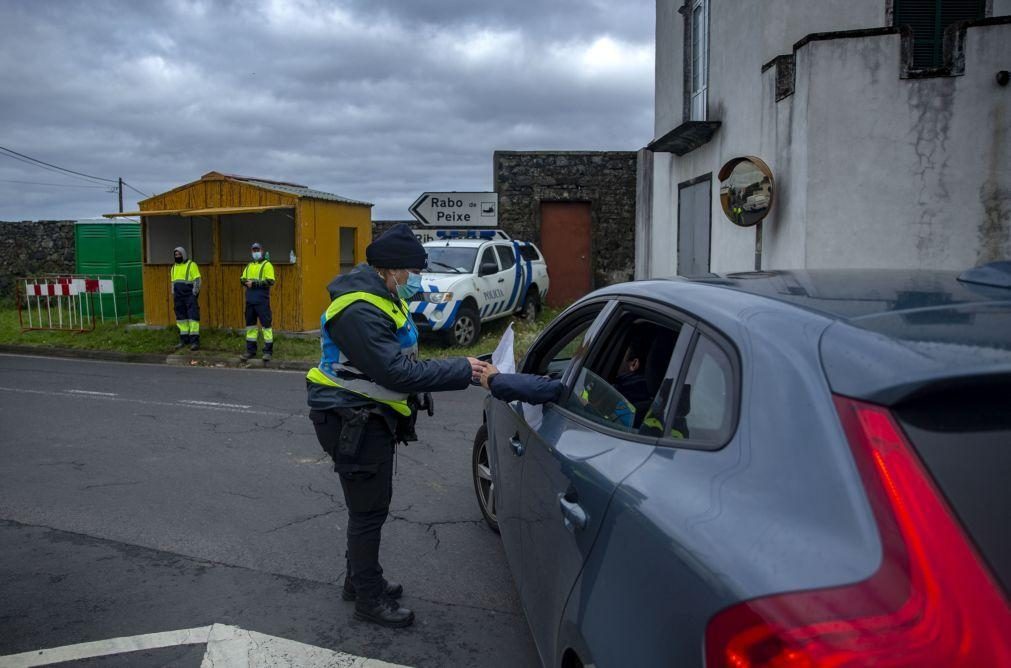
(471, 281)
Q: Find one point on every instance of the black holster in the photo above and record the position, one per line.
(353, 421)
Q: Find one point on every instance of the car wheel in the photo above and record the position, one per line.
(532, 306)
(484, 478)
(466, 328)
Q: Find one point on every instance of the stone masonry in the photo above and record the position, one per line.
(605, 179)
(34, 247)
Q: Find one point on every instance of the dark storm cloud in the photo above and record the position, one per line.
(372, 99)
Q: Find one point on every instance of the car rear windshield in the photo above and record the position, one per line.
(963, 435)
(450, 259)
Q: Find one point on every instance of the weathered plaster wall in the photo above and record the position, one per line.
(742, 37)
(912, 173)
(871, 169)
(34, 247)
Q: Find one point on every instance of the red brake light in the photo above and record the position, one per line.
(932, 601)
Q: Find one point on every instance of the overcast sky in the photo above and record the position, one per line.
(377, 100)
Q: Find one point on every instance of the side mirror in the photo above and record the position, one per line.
(488, 268)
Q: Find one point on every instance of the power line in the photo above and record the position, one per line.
(134, 189)
(62, 169)
(48, 169)
(62, 185)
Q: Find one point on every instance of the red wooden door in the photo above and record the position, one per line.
(565, 241)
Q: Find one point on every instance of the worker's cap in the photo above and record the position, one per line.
(397, 248)
(256, 244)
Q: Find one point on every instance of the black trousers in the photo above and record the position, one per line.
(368, 491)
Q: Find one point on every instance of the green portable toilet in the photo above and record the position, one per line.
(112, 248)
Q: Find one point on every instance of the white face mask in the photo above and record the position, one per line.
(257, 255)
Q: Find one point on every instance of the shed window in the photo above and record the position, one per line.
(928, 19)
(164, 233)
(274, 230)
(347, 242)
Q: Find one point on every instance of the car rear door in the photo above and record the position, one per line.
(575, 460)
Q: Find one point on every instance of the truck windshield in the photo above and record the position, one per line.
(450, 259)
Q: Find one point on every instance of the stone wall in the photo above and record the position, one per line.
(605, 179)
(34, 247)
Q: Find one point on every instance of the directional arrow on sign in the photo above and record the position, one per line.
(456, 209)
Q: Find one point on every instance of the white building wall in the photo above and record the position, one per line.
(853, 145)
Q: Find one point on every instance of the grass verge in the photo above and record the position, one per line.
(217, 342)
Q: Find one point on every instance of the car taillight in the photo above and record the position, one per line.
(932, 601)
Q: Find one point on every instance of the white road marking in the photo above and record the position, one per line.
(102, 394)
(212, 403)
(88, 650)
(146, 402)
(226, 646)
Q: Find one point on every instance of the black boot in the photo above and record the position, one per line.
(393, 590)
(385, 612)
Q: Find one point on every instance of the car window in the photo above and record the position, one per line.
(622, 385)
(704, 409)
(565, 341)
(488, 256)
(529, 252)
(451, 259)
(506, 257)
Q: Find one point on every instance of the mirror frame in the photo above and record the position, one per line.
(724, 174)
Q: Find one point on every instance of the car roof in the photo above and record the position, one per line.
(889, 333)
(462, 243)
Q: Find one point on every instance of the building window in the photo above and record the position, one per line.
(928, 19)
(164, 233)
(274, 230)
(698, 63)
(347, 250)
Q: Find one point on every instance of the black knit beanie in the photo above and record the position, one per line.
(397, 248)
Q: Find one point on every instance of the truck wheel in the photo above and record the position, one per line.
(466, 328)
(484, 480)
(532, 306)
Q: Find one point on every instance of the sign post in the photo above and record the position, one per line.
(453, 209)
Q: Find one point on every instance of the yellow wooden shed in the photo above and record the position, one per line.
(311, 236)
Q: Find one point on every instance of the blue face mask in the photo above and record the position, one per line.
(411, 288)
(257, 255)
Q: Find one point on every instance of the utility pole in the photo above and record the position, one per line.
(121, 194)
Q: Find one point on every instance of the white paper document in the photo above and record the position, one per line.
(504, 358)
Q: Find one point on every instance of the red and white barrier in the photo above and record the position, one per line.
(64, 302)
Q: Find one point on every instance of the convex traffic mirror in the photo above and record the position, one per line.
(746, 190)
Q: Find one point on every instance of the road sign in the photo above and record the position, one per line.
(456, 209)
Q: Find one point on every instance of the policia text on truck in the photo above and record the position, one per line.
(363, 401)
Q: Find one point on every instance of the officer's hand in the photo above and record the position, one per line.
(476, 367)
(489, 371)
(249, 284)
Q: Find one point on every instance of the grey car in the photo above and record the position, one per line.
(815, 469)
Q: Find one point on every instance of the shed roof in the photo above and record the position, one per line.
(300, 191)
(285, 187)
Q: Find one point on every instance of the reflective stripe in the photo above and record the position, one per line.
(183, 325)
(251, 333)
(194, 326)
(334, 363)
(268, 335)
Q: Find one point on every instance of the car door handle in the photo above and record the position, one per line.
(517, 445)
(501, 280)
(573, 515)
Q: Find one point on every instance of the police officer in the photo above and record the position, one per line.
(185, 288)
(362, 402)
(258, 277)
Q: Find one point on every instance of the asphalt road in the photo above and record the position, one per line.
(139, 499)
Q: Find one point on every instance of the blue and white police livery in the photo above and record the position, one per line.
(470, 281)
